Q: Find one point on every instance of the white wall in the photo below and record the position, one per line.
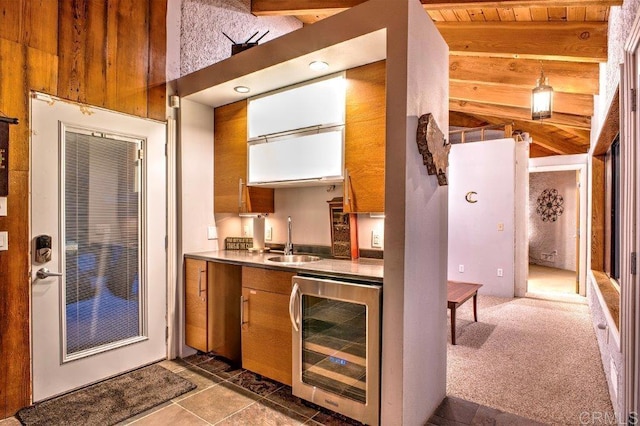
(195, 198)
(203, 21)
(414, 306)
(475, 242)
(553, 243)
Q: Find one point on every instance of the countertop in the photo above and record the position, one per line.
(363, 268)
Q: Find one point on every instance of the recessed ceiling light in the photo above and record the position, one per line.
(318, 65)
(241, 89)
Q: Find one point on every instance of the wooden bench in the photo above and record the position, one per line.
(457, 294)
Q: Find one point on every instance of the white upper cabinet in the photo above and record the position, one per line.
(300, 159)
(296, 135)
(320, 103)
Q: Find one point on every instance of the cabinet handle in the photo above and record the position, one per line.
(347, 191)
(200, 289)
(240, 188)
(292, 301)
(242, 302)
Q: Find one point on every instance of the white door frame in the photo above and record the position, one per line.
(630, 209)
(582, 168)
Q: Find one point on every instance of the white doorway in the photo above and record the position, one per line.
(556, 222)
(98, 227)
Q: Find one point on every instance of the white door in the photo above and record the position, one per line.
(98, 190)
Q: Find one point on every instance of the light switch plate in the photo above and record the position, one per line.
(268, 233)
(4, 241)
(500, 226)
(3, 206)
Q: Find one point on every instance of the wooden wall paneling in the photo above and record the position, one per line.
(72, 29)
(96, 54)
(131, 62)
(40, 25)
(13, 101)
(15, 290)
(11, 19)
(111, 52)
(42, 71)
(597, 212)
(156, 101)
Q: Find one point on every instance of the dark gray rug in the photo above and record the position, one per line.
(109, 402)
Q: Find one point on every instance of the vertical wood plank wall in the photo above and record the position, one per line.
(108, 53)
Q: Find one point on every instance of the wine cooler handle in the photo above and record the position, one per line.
(292, 301)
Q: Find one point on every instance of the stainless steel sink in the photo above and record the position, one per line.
(294, 259)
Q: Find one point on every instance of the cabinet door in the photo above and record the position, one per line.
(230, 164)
(266, 334)
(196, 304)
(224, 287)
(365, 138)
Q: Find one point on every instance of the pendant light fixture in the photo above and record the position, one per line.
(541, 98)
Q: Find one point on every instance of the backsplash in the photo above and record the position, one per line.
(309, 213)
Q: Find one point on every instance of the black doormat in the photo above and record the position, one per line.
(109, 402)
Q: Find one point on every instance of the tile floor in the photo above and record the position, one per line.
(229, 396)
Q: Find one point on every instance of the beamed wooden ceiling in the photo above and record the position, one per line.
(496, 49)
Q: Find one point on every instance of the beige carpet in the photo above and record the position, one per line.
(544, 279)
(535, 358)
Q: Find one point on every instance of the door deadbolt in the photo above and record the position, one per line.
(43, 249)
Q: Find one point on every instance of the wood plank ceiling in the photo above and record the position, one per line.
(497, 50)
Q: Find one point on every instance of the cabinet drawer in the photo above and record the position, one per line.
(267, 280)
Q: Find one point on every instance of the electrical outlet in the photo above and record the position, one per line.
(500, 226)
(460, 268)
(376, 240)
(268, 233)
(500, 272)
(3, 206)
(212, 233)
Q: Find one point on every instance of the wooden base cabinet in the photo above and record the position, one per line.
(212, 307)
(266, 328)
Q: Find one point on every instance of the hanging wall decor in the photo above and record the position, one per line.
(433, 147)
(550, 205)
(4, 154)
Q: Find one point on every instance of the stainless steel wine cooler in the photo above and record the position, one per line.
(336, 345)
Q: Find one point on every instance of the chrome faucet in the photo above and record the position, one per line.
(288, 247)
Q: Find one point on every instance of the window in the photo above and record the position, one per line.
(612, 225)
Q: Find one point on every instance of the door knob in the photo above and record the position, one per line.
(45, 273)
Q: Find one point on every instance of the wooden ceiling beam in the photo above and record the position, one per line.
(460, 119)
(518, 97)
(567, 77)
(563, 41)
(523, 114)
(536, 150)
(544, 134)
(324, 7)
